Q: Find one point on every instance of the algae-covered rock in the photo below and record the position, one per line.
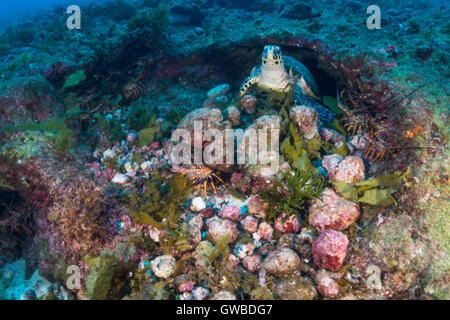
(282, 262)
(107, 277)
(330, 249)
(296, 288)
(306, 119)
(331, 211)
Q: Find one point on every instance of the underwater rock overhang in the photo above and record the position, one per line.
(237, 59)
(360, 76)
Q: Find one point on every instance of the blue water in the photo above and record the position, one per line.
(19, 10)
(10, 7)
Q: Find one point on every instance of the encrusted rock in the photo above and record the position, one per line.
(268, 122)
(281, 262)
(198, 204)
(185, 282)
(186, 296)
(248, 104)
(231, 212)
(330, 249)
(109, 154)
(200, 293)
(163, 266)
(330, 162)
(267, 168)
(218, 228)
(359, 142)
(252, 263)
(286, 241)
(120, 178)
(224, 295)
(207, 212)
(233, 115)
(195, 226)
(233, 261)
(255, 207)
(332, 211)
(306, 119)
(250, 224)
(203, 251)
(327, 284)
(243, 250)
(265, 231)
(296, 288)
(287, 225)
(210, 118)
(349, 170)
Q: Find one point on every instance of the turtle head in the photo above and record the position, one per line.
(272, 57)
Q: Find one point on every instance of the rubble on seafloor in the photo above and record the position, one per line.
(358, 209)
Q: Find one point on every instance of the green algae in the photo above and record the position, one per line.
(59, 132)
(376, 191)
(288, 197)
(74, 79)
(151, 133)
(299, 151)
(107, 277)
(20, 61)
(160, 206)
(332, 104)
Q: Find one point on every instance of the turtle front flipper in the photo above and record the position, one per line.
(247, 83)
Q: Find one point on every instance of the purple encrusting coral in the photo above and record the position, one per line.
(89, 178)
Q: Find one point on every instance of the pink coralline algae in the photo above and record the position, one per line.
(282, 262)
(200, 293)
(330, 249)
(231, 212)
(252, 263)
(250, 224)
(265, 231)
(248, 104)
(244, 250)
(241, 182)
(289, 225)
(332, 211)
(255, 207)
(349, 170)
(306, 119)
(218, 228)
(195, 226)
(326, 285)
(233, 261)
(187, 286)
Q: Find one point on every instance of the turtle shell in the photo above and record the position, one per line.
(296, 68)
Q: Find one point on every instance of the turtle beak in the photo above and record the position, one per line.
(272, 56)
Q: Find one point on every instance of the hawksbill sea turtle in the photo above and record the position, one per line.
(272, 78)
